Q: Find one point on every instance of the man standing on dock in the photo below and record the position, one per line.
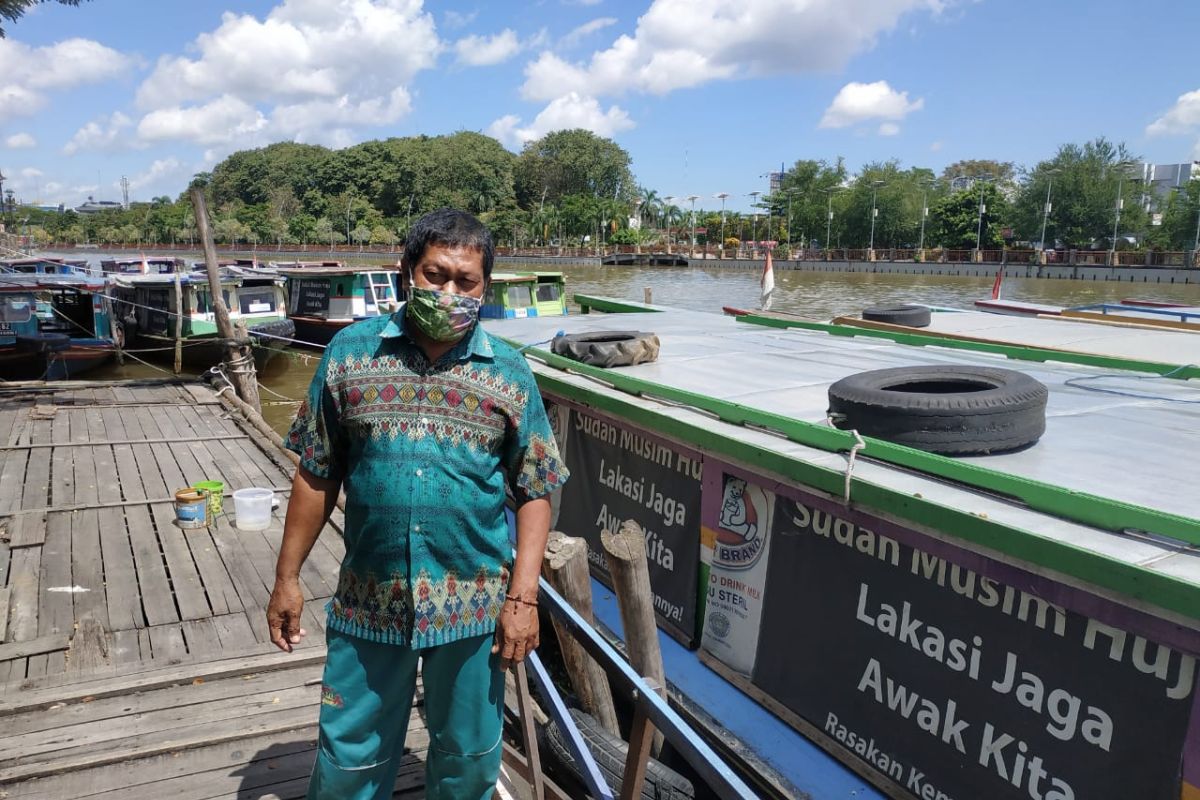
(422, 417)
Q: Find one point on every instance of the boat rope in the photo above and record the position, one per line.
(1081, 383)
(858, 445)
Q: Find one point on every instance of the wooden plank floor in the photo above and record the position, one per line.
(134, 658)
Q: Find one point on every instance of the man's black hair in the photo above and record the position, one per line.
(453, 228)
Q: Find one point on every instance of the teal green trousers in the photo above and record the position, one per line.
(366, 700)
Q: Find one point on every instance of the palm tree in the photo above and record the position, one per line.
(12, 10)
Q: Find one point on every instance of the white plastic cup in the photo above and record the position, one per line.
(253, 508)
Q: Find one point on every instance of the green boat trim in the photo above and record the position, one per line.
(611, 305)
(1015, 352)
(1097, 569)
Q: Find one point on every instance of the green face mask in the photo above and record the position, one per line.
(442, 316)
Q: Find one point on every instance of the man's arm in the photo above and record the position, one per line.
(517, 628)
(311, 503)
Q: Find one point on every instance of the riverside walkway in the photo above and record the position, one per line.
(134, 659)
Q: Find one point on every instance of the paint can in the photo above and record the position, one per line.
(214, 490)
(191, 508)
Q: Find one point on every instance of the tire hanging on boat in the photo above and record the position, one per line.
(607, 348)
(953, 410)
(909, 315)
(43, 342)
(661, 783)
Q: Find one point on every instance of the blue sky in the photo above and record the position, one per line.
(706, 95)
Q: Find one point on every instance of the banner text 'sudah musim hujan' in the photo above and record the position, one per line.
(619, 473)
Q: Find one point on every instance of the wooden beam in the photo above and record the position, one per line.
(33, 647)
(107, 443)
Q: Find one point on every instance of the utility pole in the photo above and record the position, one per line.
(692, 198)
(924, 213)
(125, 192)
(980, 179)
(238, 350)
(874, 213)
(1046, 210)
(721, 196)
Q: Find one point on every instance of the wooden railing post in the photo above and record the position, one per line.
(625, 552)
(566, 569)
(529, 734)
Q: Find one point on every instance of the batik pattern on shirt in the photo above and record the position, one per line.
(423, 452)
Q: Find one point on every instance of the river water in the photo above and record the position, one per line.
(819, 295)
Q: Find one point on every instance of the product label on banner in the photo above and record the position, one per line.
(957, 676)
(737, 521)
(620, 473)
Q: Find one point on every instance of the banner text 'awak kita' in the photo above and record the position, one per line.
(1064, 715)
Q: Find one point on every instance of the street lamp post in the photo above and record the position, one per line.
(692, 199)
(1046, 210)
(722, 196)
(980, 179)
(874, 213)
(924, 213)
(1121, 166)
(754, 224)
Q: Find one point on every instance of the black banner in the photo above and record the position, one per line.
(312, 295)
(617, 473)
(963, 683)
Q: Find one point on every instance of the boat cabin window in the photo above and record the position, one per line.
(16, 309)
(519, 297)
(257, 299)
(548, 292)
(202, 304)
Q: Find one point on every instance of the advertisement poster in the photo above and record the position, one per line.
(957, 676)
(620, 473)
(737, 529)
(311, 296)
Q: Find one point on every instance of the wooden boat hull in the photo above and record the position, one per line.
(314, 331)
(201, 353)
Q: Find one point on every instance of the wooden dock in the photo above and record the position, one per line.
(134, 657)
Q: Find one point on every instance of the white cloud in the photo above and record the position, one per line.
(889, 129)
(164, 171)
(101, 134)
(312, 70)
(20, 141)
(860, 102)
(685, 43)
(1181, 118)
(572, 110)
(455, 19)
(31, 173)
(28, 73)
(481, 51)
(936, 146)
(585, 30)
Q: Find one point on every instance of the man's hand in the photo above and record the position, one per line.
(516, 633)
(283, 614)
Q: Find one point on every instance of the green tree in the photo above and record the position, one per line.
(13, 10)
(1083, 200)
(572, 162)
(955, 220)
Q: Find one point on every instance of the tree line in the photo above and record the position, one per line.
(570, 187)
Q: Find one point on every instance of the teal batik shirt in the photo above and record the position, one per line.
(423, 452)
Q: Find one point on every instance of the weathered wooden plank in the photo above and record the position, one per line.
(126, 460)
(89, 647)
(200, 636)
(4, 595)
(62, 467)
(87, 568)
(101, 441)
(124, 603)
(218, 586)
(235, 631)
(180, 697)
(33, 647)
(24, 581)
(185, 578)
(157, 601)
(36, 694)
(55, 604)
(166, 643)
(125, 647)
(293, 717)
(35, 666)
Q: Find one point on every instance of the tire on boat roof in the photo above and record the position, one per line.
(947, 409)
(607, 348)
(43, 342)
(910, 315)
(661, 783)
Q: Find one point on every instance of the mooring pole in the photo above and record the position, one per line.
(178, 325)
(566, 569)
(238, 351)
(625, 553)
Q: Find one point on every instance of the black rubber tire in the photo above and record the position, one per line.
(953, 410)
(607, 348)
(912, 316)
(43, 342)
(662, 782)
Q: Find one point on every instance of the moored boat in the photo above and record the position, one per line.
(52, 326)
(325, 298)
(142, 265)
(1010, 625)
(146, 307)
(527, 294)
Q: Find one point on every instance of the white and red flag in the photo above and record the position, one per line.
(767, 282)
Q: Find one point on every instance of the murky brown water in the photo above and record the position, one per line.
(814, 294)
